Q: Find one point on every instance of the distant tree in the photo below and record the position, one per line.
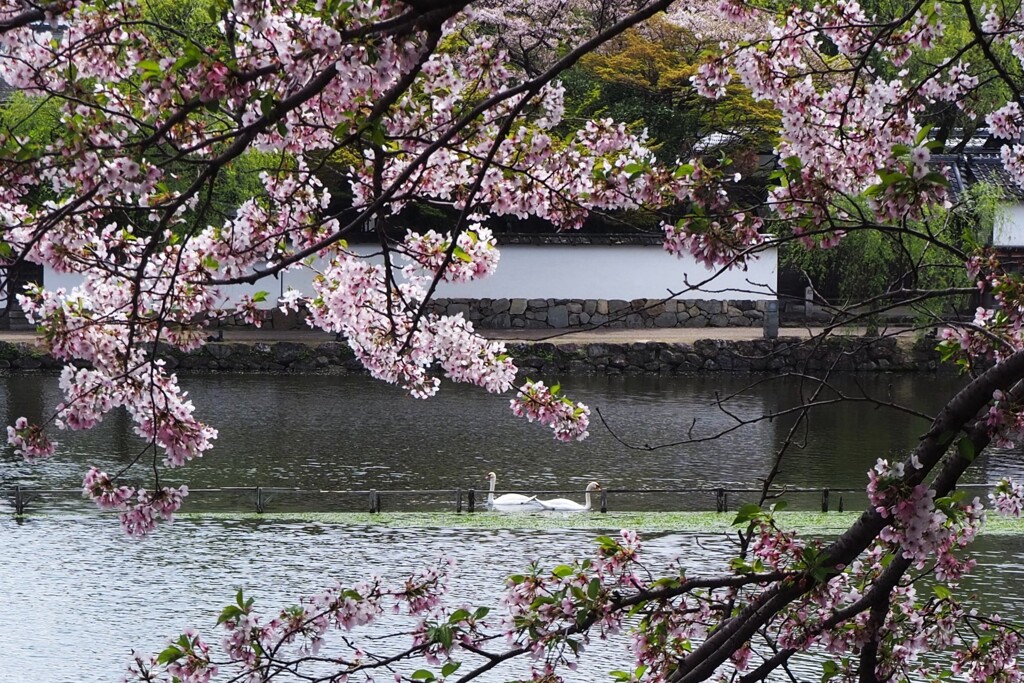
(644, 77)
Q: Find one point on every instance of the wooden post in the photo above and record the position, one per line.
(458, 500)
(19, 501)
(259, 500)
(374, 502)
(471, 505)
(824, 500)
(721, 500)
(604, 501)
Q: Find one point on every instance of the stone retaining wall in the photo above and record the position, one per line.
(505, 314)
(553, 360)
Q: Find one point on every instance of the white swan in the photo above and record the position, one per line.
(509, 502)
(566, 505)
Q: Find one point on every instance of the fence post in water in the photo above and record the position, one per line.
(374, 502)
(458, 500)
(721, 500)
(604, 501)
(471, 505)
(824, 500)
(19, 501)
(259, 500)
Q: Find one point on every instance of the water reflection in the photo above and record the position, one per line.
(353, 433)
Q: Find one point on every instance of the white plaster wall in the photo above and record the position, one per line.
(613, 272)
(563, 272)
(1009, 227)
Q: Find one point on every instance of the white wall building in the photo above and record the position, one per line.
(563, 272)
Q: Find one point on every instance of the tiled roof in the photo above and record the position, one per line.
(988, 168)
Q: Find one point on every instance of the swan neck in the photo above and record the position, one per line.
(490, 494)
(586, 499)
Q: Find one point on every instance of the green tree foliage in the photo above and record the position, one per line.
(644, 77)
(871, 263)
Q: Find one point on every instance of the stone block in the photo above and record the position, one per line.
(590, 306)
(218, 351)
(665, 319)
(536, 304)
(288, 352)
(601, 307)
(500, 306)
(455, 309)
(720, 320)
(558, 316)
(617, 306)
(281, 320)
(517, 306)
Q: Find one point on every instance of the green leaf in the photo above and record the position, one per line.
(633, 168)
(229, 613)
(594, 588)
(793, 163)
(942, 592)
(481, 612)
(684, 170)
(746, 513)
(563, 570)
(169, 655)
(422, 675)
(829, 670)
(450, 668)
(923, 134)
(461, 254)
(936, 178)
(259, 296)
(457, 616)
(966, 448)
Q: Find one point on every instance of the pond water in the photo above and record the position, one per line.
(78, 595)
(346, 433)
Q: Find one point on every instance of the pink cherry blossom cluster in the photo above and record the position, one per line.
(544, 608)
(474, 255)
(258, 648)
(994, 656)
(29, 441)
(536, 401)
(923, 528)
(140, 510)
(1008, 498)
